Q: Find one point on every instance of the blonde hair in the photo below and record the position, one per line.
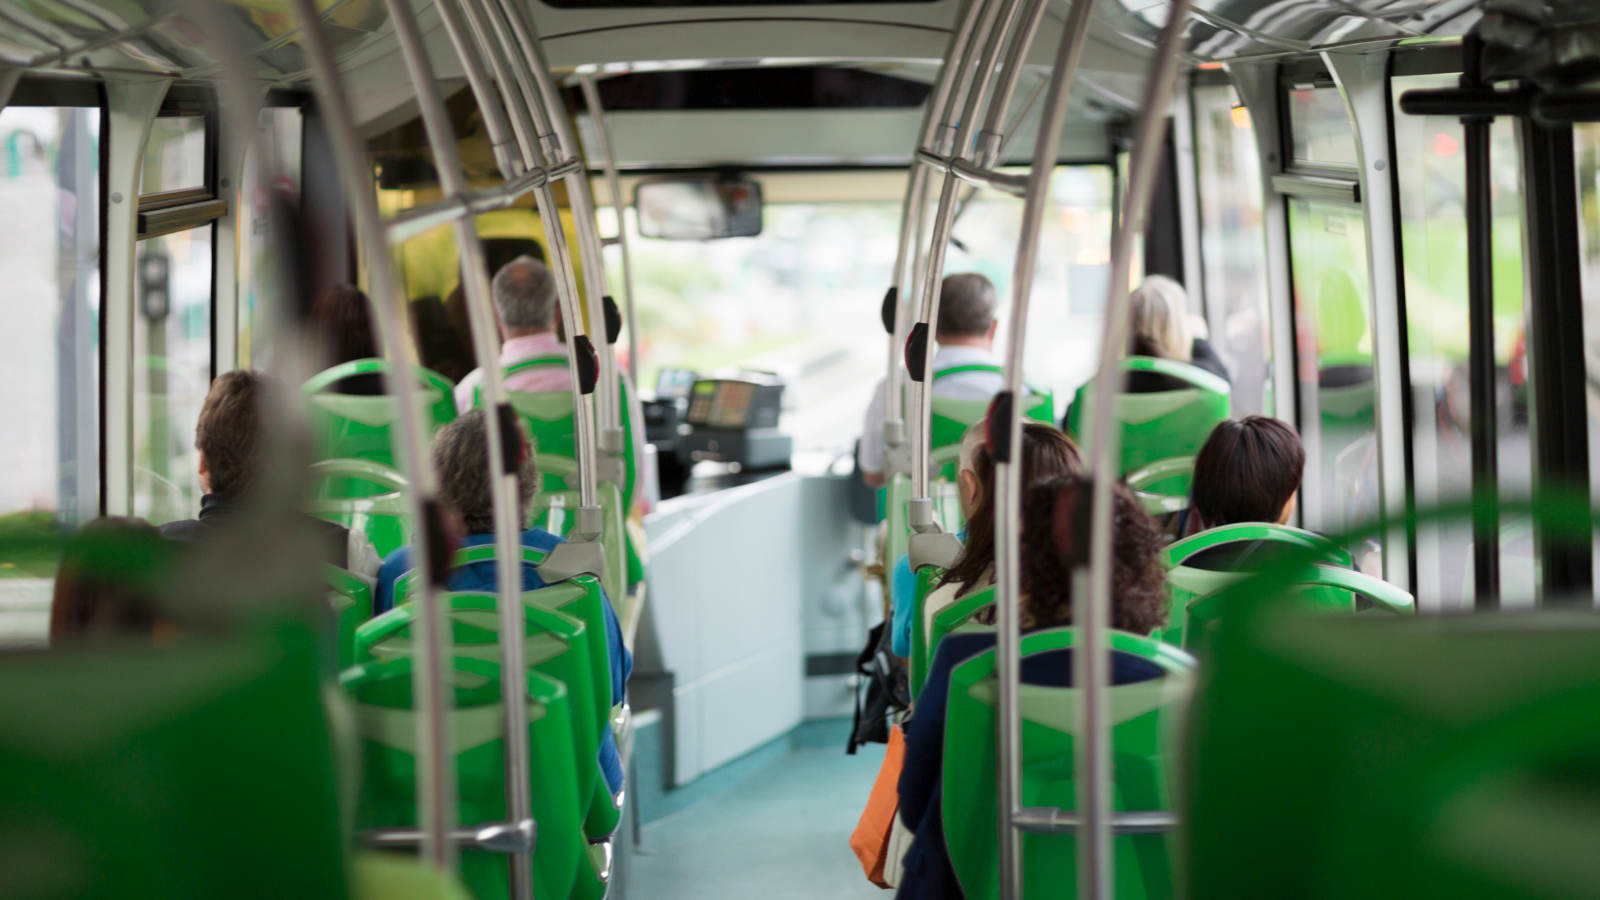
(971, 441)
(1159, 320)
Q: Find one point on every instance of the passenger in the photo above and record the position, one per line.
(1046, 453)
(228, 438)
(530, 321)
(1138, 605)
(965, 334)
(341, 322)
(105, 586)
(1160, 326)
(461, 457)
(1249, 470)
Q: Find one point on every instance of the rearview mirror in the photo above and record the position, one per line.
(698, 209)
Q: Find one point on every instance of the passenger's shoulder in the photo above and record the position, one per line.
(183, 530)
(539, 539)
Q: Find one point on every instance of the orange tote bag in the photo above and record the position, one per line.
(870, 840)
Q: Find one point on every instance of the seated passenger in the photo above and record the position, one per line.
(228, 438)
(1138, 605)
(530, 323)
(1046, 453)
(1248, 471)
(461, 457)
(105, 586)
(965, 334)
(341, 324)
(1160, 326)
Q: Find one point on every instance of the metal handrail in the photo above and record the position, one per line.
(1091, 667)
(436, 774)
(418, 219)
(1054, 820)
(520, 837)
(501, 437)
(608, 162)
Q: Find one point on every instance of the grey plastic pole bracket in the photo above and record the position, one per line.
(611, 440)
(919, 515)
(934, 548)
(894, 432)
(572, 559)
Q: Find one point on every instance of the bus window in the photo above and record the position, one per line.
(1586, 149)
(49, 348)
(1319, 128)
(1432, 179)
(1232, 244)
(278, 137)
(1333, 336)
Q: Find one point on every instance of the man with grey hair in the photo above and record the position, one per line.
(964, 366)
(532, 355)
(461, 457)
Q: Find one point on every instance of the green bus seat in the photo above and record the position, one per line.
(384, 517)
(350, 596)
(197, 770)
(1162, 487)
(952, 617)
(1188, 584)
(1144, 717)
(928, 579)
(1429, 758)
(376, 875)
(550, 422)
(1319, 587)
(556, 646)
(357, 425)
(580, 597)
(951, 418)
(387, 726)
(1162, 424)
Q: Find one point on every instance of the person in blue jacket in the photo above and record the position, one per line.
(461, 457)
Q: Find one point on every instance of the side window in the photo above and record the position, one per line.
(172, 342)
(278, 138)
(1232, 245)
(1586, 150)
(1333, 329)
(49, 347)
(1432, 179)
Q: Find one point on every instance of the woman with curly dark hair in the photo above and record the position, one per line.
(1138, 581)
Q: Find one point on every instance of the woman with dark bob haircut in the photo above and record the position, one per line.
(1049, 545)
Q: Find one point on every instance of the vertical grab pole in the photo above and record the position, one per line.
(552, 113)
(436, 782)
(952, 139)
(608, 162)
(1480, 347)
(1008, 474)
(504, 446)
(901, 297)
(1092, 666)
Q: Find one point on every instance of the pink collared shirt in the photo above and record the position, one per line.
(539, 379)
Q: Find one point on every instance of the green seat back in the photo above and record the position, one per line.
(1318, 587)
(1188, 585)
(581, 598)
(357, 426)
(381, 508)
(928, 579)
(1143, 719)
(1163, 486)
(351, 599)
(197, 770)
(550, 422)
(557, 646)
(951, 418)
(1161, 424)
(952, 617)
(387, 726)
(1435, 758)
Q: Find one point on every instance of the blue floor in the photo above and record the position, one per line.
(781, 832)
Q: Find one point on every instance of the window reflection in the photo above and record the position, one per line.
(1232, 244)
(175, 156)
(1586, 147)
(171, 372)
(1432, 178)
(1319, 128)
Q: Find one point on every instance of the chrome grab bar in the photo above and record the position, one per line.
(496, 837)
(1054, 820)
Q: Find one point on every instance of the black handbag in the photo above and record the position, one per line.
(888, 690)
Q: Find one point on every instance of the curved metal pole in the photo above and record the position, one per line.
(608, 162)
(1008, 474)
(608, 400)
(903, 281)
(502, 437)
(487, 30)
(504, 144)
(991, 139)
(436, 773)
(1092, 618)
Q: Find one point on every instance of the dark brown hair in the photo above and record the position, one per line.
(1138, 580)
(1046, 452)
(1247, 471)
(461, 457)
(229, 430)
(341, 317)
(105, 586)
